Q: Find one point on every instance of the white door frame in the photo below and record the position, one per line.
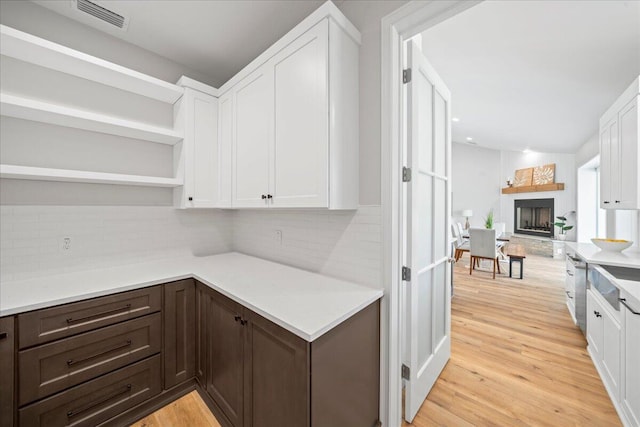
(397, 27)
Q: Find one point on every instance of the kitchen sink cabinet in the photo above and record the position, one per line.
(604, 338)
(7, 361)
(179, 332)
(256, 373)
(630, 390)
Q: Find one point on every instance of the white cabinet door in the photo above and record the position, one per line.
(627, 171)
(630, 393)
(199, 113)
(253, 138)
(594, 326)
(301, 146)
(608, 141)
(611, 351)
(225, 148)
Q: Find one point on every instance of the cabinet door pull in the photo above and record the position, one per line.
(243, 322)
(568, 294)
(264, 197)
(624, 302)
(606, 203)
(72, 362)
(191, 199)
(237, 318)
(3, 335)
(269, 196)
(617, 201)
(569, 273)
(92, 405)
(102, 313)
(597, 313)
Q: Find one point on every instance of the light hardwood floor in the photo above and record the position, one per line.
(517, 360)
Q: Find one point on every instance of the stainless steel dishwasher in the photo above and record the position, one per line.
(577, 267)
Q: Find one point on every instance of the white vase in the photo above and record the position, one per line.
(561, 237)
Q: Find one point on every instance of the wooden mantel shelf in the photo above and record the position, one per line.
(534, 188)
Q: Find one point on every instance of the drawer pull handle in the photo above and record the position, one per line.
(92, 405)
(624, 302)
(72, 362)
(3, 335)
(102, 313)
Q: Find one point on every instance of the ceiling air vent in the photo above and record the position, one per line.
(102, 13)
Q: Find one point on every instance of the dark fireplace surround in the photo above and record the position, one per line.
(534, 217)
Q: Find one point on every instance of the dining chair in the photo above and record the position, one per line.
(460, 245)
(483, 246)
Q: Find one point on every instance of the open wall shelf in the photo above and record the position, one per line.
(67, 175)
(38, 51)
(29, 109)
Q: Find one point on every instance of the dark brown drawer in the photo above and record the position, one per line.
(65, 320)
(96, 401)
(52, 367)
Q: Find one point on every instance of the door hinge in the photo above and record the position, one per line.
(406, 75)
(406, 274)
(406, 174)
(406, 372)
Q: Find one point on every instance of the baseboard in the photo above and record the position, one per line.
(213, 407)
(140, 411)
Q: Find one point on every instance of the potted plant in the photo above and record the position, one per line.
(488, 221)
(562, 225)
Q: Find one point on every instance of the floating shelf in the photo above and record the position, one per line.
(534, 188)
(66, 175)
(32, 49)
(29, 109)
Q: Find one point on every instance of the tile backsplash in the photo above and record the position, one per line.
(32, 237)
(342, 244)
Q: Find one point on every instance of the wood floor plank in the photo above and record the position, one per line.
(517, 358)
(190, 410)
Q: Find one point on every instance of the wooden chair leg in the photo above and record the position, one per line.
(471, 266)
(494, 268)
(498, 262)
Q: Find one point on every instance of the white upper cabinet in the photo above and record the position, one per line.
(619, 153)
(197, 113)
(295, 121)
(301, 147)
(253, 139)
(225, 150)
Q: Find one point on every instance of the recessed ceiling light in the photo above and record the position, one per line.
(469, 138)
(455, 119)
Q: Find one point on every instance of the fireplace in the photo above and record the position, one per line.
(534, 217)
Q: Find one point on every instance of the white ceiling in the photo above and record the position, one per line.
(217, 38)
(535, 74)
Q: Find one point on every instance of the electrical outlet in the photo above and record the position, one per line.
(66, 243)
(277, 235)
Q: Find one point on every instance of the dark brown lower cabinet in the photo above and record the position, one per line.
(179, 332)
(96, 401)
(258, 374)
(7, 380)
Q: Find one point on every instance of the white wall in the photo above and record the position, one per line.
(479, 174)
(476, 183)
(31, 237)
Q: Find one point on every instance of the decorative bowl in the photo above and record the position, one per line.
(612, 245)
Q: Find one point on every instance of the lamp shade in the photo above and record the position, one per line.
(467, 213)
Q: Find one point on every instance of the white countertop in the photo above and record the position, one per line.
(307, 304)
(629, 258)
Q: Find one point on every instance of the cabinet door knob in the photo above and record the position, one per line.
(243, 322)
(190, 198)
(269, 196)
(597, 313)
(264, 197)
(617, 201)
(237, 318)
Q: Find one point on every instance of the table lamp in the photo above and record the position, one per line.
(467, 213)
